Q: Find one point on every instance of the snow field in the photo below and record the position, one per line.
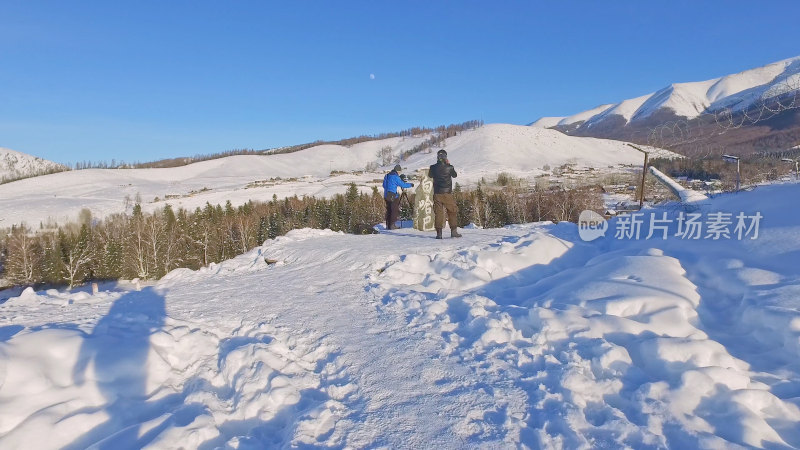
(480, 153)
(524, 336)
(610, 349)
(141, 378)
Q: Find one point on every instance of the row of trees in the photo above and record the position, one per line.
(437, 139)
(149, 245)
(496, 207)
(442, 132)
(164, 163)
(15, 176)
(754, 169)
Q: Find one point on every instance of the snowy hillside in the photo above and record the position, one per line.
(549, 122)
(14, 165)
(689, 100)
(483, 152)
(524, 336)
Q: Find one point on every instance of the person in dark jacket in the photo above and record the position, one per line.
(442, 174)
(391, 195)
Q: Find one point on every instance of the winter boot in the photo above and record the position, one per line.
(438, 233)
(454, 233)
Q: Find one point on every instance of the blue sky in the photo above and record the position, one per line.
(144, 80)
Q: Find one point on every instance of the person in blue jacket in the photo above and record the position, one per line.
(391, 195)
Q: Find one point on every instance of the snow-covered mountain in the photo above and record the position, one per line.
(15, 165)
(479, 153)
(517, 337)
(766, 97)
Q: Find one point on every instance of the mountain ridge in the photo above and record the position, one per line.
(16, 165)
(680, 116)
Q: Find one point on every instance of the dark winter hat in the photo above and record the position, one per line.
(441, 154)
(397, 168)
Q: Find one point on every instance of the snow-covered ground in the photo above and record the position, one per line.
(524, 336)
(485, 152)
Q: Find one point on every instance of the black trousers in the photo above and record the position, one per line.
(392, 211)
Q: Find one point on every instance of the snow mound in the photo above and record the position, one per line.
(618, 344)
(141, 378)
(472, 267)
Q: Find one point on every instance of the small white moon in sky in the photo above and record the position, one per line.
(372, 76)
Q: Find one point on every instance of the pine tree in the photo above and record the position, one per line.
(108, 248)
(52, 272)
(275, 225)
(263, 229)
(352, 194)
(321, 210)
(466, 210)
(479, 206)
